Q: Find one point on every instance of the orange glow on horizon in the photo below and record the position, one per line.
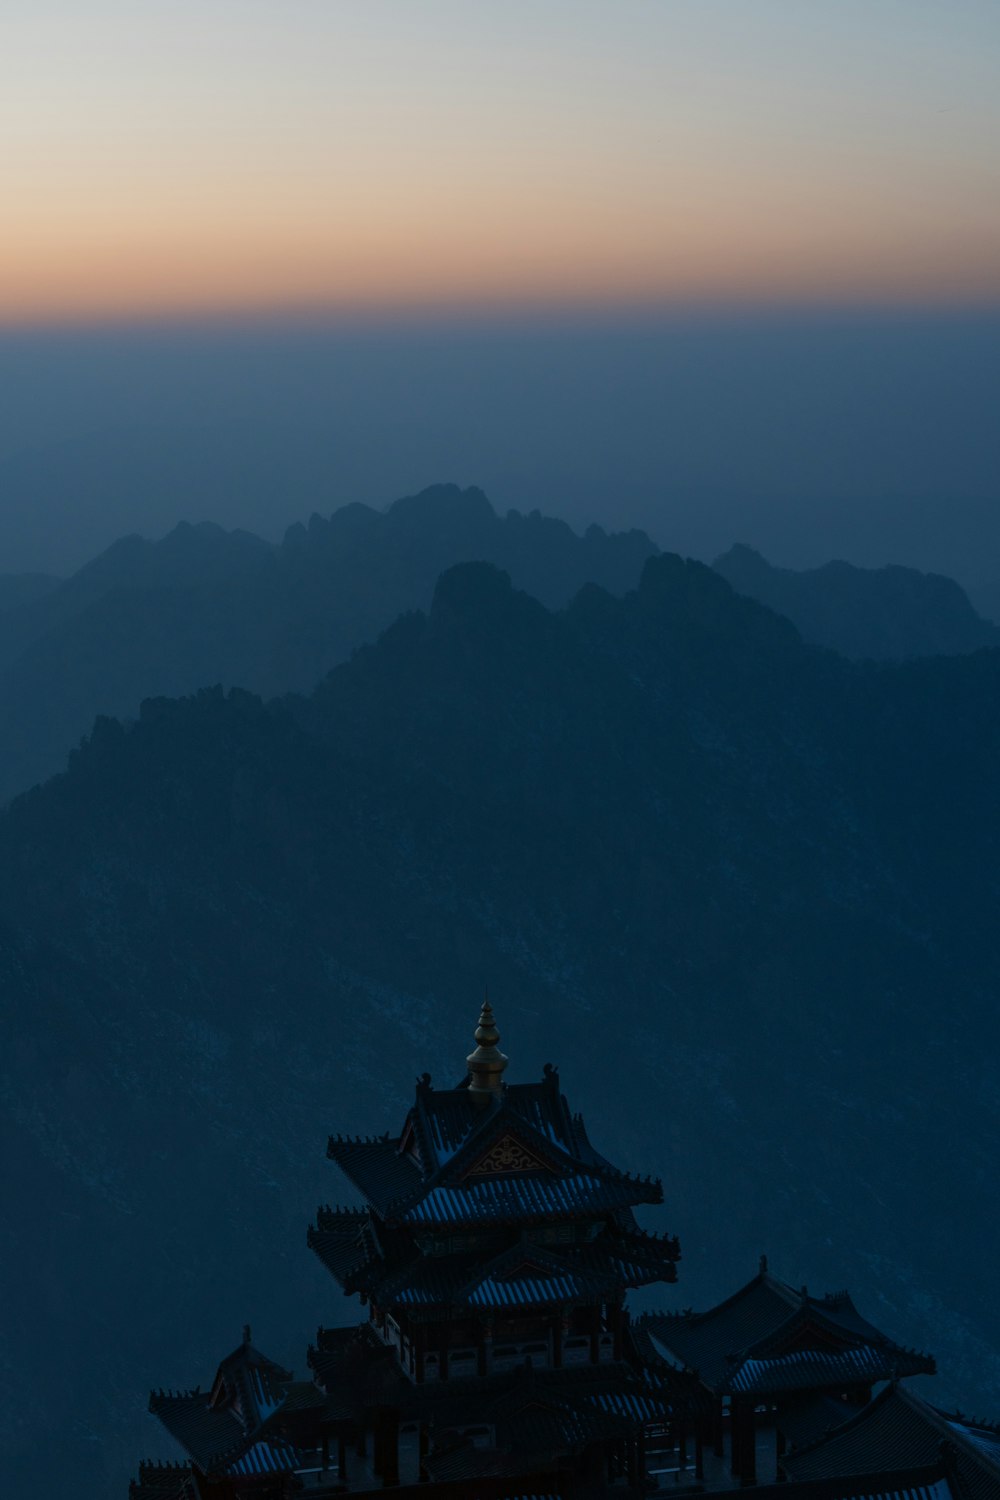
(490, 157)
(142, 274)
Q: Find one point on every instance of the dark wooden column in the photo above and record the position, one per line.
(558, 1330)
(618, 1328)
(595, 1334)
(735, 1436)
(748, 1441)
(699, 1448)
(341, 1457)
(632, 1469)
(385, 1458)
(419, 1338)
(718, 1428)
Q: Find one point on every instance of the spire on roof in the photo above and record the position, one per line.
(487, 1063)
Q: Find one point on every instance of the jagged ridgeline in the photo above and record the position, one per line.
(887, 614)
(206, 605)
(742, 889)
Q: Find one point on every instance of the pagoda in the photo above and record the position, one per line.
(777, 1366)
(493, 1253)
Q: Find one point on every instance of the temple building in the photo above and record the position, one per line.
(492, 1255)
(777, 1366)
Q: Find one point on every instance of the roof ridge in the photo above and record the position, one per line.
(356, 1216)
(801, 1313)
(360, 1140)
(600, 1168)
(492, 1123)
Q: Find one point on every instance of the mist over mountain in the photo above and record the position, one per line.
(889, 613)
(864, 433)
(17, 589)
(207, 605)
(743, 891)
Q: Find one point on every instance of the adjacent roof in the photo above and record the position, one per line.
(769, 1338)
(206, 1434)
(930, 1482)
(897, 1429)
(811, 1415)
(234, 1428)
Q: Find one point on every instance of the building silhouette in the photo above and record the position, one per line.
(497, 1358)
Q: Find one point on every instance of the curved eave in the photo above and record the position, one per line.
(810, 1369)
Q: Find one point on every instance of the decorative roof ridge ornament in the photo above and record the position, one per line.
(487, 1063)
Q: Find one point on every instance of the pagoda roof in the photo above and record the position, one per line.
(218, 1442)
(770, 1338)
(518, 1157)
(518, 1274)
(161, 1481)
(442, 1120)
(234, 1428)
(345, 1241)
(896, 1430)
(205, 1433)
(249, 1383)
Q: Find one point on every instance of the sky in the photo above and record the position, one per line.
(170, 159)
(722, 269)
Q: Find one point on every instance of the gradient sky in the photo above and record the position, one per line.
(164, 158)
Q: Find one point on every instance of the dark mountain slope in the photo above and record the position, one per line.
(742, 890)
(19, 589)
(206, 605)
(886, 614)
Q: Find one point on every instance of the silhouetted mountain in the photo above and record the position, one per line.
(887, 614)
(744, 891)
(206, 605)
(17, 589)
(986, 598)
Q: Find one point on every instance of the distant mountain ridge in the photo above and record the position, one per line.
(742, 890)
(885, 614)
(206, 605)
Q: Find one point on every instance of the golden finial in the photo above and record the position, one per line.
(487, 1063)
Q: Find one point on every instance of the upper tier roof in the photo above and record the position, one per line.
(518, 1156)
(769, 1338)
